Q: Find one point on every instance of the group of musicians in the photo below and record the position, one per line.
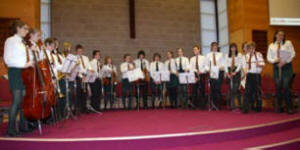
(237, 68)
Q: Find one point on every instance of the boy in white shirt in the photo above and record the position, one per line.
(198, 66)
(255, 62)
(216, 66)
(172, 85)
(156, 86)
(182, 64)
(96, 86)
(126, 66)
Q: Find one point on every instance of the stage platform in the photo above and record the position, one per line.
(164, 129)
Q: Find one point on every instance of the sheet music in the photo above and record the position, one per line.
(69, 63)
(214, 72)
(74, 73)
(156, 76)
(183, 78)
(135, 74)
(165, 76)
(191, 77)
(284, 55)
(90, 77)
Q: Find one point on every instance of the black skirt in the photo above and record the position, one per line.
(15, 79)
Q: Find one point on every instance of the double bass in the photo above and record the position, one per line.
(40, 92)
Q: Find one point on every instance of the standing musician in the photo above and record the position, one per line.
(255, 63)
(109, 81)
(282, 69)
(198, 66)
(96, 87)
(16, 57)
(233, 66)
(182, 64)
(216, 60)
(66, 49)
(60, 77)
(33, 37)
(126, 66)
(81, 87)
(170, 64)
(56, 61)
(142, 63)
(156, 86)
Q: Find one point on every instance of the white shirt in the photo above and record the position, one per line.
(124, 67)
(161, 67)
(144, 61)
(15, 52)
(94, 66)
(84, 68)
(259, 58)
(53, 59)
(220, 60)
(272, 51)
(202, 63)
(173, 68)
(40, 55)
(184, 63)
(238, 62)
(107, 69)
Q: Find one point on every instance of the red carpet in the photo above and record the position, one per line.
(105, 128)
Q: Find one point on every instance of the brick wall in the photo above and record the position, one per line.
(161, 25)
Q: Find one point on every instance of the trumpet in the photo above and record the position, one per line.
(60, 75)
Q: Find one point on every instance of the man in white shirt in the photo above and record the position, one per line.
(255, 63)
(281, 54)
(126, 66)
(198, 66)
(81, 87)
(182, 64)
(96, 86)
(216, 66)
(156, 86)
(142, 63)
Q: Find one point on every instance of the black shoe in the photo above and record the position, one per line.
(12, 134)
(26, 130)
(245, 111)
(290, 112)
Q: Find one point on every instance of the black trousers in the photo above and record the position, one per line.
(72, 95)
(96, 89)
(283, 85)
(253, 92)
(157, 92)
(126, 93)
(143, 93)
(215, 86)
(198, 92)
(81, 95)
(109, 94)
(172, 93)
(234, 92)
(62, 101)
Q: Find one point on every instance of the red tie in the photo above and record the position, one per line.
(249, 61)
(214, 59)
(278, 50)
(197, 65)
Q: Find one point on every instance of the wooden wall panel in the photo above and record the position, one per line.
(254, 15)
